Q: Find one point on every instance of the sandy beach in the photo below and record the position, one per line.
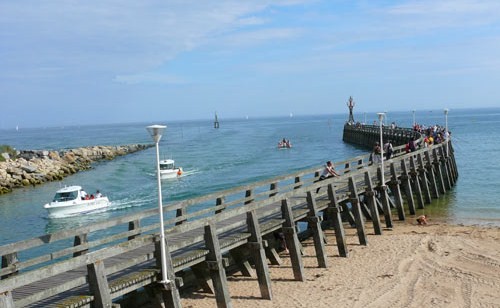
(437, 265)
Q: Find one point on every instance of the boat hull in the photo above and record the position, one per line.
(71, 208)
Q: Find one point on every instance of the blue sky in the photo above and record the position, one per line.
(96, 62)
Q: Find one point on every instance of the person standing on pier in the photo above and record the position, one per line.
(376, 156)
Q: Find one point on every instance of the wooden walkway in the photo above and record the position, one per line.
(100, 263)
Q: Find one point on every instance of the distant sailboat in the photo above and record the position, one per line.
(17, 128)
(291, 115)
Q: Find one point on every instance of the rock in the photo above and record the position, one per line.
(28, 168)
(36, 167)
(5, 156)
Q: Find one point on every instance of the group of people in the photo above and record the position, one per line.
(376, 155)
(86, 196)
(284, 143)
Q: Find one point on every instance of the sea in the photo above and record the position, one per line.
(239, 152)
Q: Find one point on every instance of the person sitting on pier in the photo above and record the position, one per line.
(328, 171)
(422, 219)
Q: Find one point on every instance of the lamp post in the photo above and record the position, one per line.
(380, 118)
(156, 132)
(446, 129)
(414, 118)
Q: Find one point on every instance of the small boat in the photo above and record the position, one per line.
(73, 200)
(168, 170)
(284, 144)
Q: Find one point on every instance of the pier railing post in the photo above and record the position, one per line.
(98, 284)
(423, 179)
(384, 198)
(405, 179)
(314, 222)
(133, 225)
(432, 174)
(336, 221)
(416, 183)
(9, 260)
(358, 217)
(372, 204)
(80, 239)
(396, 191)
(219, 202)
(439, 171)
(292, 241)
(216, 267)
(259, 255)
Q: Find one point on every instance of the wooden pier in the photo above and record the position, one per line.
(107, 263)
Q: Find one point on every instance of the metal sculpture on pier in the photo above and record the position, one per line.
(350, 104)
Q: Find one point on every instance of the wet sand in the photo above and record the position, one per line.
(437, 265)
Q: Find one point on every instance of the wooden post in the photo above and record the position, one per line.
(217, 272)
(384, 199)
(274, 189)
(297, 183)
(347, 167)
(7, 261)
(446, 172)
(394, 185)
(248, 196)
(453, 163)
(169, 291)
(416, 183)
(80, 240)
(98, 284)
(259, 255)
(423, 179)
(181, 213)
(372, 203)
(133, 225)
(292, 241)
(405, 180)
(218, 203)
(439, 172)
(336, 221)
(432, 175)
(314, 222)
(360, 225)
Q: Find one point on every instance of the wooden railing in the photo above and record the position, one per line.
(47, 268)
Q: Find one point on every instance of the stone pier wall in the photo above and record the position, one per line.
(37, 167)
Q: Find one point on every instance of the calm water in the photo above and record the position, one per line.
(239, 152)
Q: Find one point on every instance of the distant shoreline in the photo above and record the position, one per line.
(31, 168)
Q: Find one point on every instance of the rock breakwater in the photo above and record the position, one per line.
(37, 167)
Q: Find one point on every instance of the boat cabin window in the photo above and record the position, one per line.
(65, 196)
(166, 166)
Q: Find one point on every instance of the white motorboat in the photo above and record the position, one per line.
(168, 170)
(73, 200)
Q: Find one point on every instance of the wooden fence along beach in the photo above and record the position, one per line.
(106, 263)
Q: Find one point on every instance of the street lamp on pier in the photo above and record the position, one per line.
(414, 118)
(380, 118)
(156, 132)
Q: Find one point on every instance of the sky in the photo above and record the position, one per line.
(65, 62)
